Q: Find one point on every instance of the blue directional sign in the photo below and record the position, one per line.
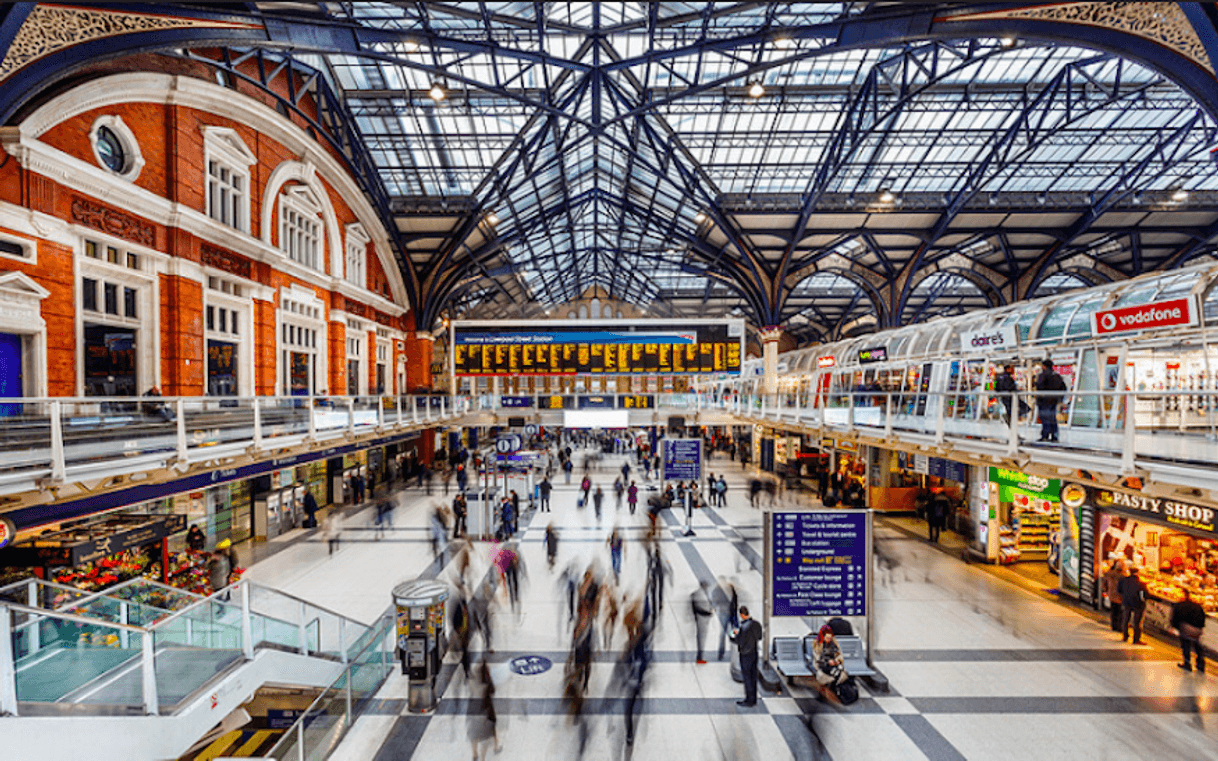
(530, 665)
(682, 459)
(819, 563)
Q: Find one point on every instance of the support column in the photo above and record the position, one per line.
(770, 336)
(418, 351)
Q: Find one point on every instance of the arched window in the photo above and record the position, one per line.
(300, 226)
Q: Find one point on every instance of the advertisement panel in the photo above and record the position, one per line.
(819, 563)
(1173, 313)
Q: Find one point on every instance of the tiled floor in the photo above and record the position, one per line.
(981, 666)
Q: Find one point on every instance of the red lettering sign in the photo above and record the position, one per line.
(1156, 316)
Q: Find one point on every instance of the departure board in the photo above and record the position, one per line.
(608, 347)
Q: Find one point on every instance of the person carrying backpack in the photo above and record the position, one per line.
(1051, 386)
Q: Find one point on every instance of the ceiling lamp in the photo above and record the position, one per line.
(1007, 42)
(493, 218)
(1179, 195)
(756, 90)
(700, 217)
(887, 196)
(410, 46)
(437, 92)
(784, 42)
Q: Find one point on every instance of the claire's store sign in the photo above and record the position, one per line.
(989, 340)
(1172, 512)
(1157, 316)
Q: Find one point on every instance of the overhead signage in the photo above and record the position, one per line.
(75, 550)
(995, 339)
(874, 354)
(682, 459)
(825, 361)
(515, 401)
(636, 402)
(556, 402)
(819, 563)
(595, 403)
(525, 459)
(1013, 482)
(509, 443)
(1156, 316)
(1172, 512)
(608, 347)
(949, 470)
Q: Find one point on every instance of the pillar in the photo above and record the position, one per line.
(770, 336)
(418, 352)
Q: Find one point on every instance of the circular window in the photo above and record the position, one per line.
(110, 150)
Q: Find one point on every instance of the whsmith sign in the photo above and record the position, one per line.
(989, 340)
(1172, 512)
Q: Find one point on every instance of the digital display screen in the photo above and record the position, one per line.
(590, 348)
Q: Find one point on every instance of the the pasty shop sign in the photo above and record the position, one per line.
(1182, 514)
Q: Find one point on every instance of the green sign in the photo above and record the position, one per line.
(1012, 482)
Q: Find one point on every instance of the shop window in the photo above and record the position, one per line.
(110, 360)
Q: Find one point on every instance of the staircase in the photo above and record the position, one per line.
(143, 670)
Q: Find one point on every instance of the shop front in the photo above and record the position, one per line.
(1173, 544)
(96, 554)
(907, 482)
(1035, 535)
(278, 503)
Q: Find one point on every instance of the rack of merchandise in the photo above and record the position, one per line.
(1033, 529)
(1008, 545)
(187, 570)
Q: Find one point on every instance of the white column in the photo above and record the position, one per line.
(769, 355)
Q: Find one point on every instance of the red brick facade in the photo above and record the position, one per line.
(175, 257)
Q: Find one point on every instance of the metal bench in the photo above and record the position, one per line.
(789, 657)
(853, 657)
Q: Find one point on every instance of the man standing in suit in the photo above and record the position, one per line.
(746, 638)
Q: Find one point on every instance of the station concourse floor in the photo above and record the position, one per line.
(980, 666)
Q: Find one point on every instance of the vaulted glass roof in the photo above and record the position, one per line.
(711, 156)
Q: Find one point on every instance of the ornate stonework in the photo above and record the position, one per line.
(51, 28)
(114, 222)
(1163, 23)
(769, 333)
(227, 261)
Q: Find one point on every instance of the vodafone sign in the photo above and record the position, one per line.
(1156, 316)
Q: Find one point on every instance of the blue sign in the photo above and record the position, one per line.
(515, 401)
(530, 665)
(596, 402)
(282, 718)
(682, 459)
(948, 469)
(819, 563)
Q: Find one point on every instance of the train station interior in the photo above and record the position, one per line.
(583, 380)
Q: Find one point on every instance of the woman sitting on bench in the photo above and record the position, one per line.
(827, 661)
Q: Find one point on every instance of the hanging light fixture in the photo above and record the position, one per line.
(1179, 195)
(756, 90)
(887, 196)
(493, 218)
(437, 92)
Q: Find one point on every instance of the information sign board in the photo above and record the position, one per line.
(819, 562)
(551, 347)
(682, 459)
